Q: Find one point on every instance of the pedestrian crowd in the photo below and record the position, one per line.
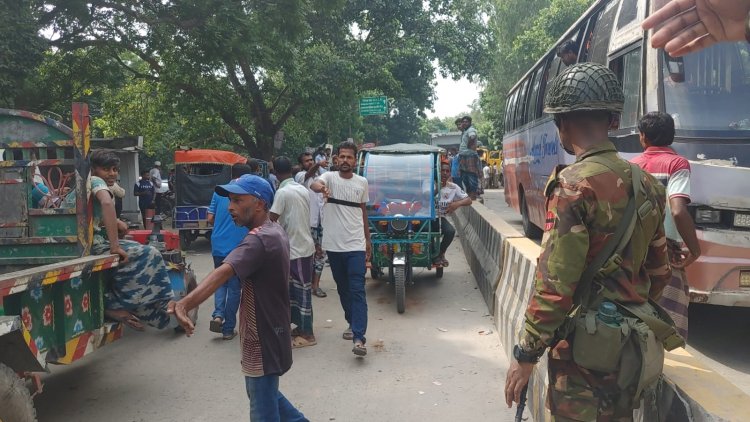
(611, 226)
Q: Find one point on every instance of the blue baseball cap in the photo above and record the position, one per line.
(248, 184)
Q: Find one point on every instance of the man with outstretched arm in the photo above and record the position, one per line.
(347, 239)
(261, 262)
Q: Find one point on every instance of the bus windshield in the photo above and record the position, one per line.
(707, 92)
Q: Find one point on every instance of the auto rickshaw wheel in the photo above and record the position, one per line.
(185, 239)
(17, 403)
(399, 273)
(376, 272)
(439, 272)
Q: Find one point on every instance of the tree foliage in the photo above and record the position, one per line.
(21, 48)
(237, 72)
(528, 28)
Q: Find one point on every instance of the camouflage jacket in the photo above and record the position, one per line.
(585, 203)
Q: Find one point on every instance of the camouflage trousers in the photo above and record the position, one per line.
(141, 286)
(577, 394)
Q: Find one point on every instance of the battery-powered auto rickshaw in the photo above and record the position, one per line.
(197, 173)
(404, 183)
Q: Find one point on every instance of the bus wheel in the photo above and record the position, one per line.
(529, 229)
(17, 403)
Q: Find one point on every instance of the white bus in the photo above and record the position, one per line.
(708, 95)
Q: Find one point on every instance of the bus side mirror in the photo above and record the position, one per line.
(675, 67)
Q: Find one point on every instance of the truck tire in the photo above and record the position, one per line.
(17, 405)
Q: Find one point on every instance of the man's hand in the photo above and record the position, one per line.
(180, 312)
(117, 250)
(516, 379)
(122, 228)
(691, 25)
(453, 206)
(684, 259)
(368, 251)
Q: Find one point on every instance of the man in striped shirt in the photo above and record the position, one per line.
(673, 171)
(261, 262)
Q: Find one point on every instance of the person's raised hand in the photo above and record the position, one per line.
(691, 25)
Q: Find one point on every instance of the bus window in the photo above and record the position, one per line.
(602, 34)
(533, 108)
(510, 111)
(588, 38)
(628, 13)
(508, 103)
(708, 93)
(628, 70)
(521, 104)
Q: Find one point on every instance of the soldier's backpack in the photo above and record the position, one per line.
(636, 349)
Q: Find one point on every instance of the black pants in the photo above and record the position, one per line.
(157, 203)
(449, 232)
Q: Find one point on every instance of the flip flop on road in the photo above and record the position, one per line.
(359, 349)
(299, 342)
(125, 317)
(216, 325)
(319, 292)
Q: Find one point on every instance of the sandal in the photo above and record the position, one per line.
(359, 349)
(299, 342)
(216, 325)
(125, 317)
(348, 334)
(319, 292)
(229, 336)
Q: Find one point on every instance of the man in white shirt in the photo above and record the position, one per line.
(155, 175)
(306, 177)
(291, 208)
(451, 198)
(347, 239)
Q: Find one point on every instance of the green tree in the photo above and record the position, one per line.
(297, 65)
(21, 48)
(529, 28)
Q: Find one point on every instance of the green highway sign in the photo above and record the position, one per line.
(373, 106)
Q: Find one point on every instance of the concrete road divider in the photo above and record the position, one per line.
(691, 391)
(483, 234)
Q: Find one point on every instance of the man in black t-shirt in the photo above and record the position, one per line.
(145, 192)
(261, 262)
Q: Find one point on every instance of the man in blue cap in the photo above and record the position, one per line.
(261, 262)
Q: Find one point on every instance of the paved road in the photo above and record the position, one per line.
(433, 363)
(719, 335)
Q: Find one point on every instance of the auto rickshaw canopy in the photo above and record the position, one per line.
(208, 156)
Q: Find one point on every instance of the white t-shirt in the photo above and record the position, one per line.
(451, 192)
(486, 172)
(343, 228)
(292, 204)
(316, 199)
(155, 176)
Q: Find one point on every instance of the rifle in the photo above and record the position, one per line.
(521, 405)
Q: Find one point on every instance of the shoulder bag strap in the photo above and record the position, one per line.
(615, 244)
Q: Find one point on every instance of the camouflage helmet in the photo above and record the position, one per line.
(584, 86)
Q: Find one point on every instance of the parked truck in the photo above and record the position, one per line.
(51, 286)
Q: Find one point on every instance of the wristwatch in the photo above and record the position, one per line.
(523, 356)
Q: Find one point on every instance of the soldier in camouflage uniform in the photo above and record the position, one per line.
(585, 203)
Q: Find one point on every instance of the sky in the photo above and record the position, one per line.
(453, 97)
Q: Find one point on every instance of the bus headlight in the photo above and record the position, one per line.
(741, 220)
(744, 278)
(707, 216)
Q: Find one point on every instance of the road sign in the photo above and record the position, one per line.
(373, 106)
